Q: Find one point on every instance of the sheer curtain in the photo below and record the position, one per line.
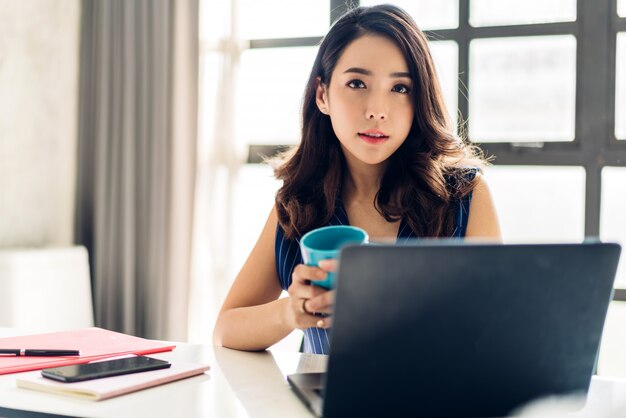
(219, 162)
(248, 95)
(137, 161)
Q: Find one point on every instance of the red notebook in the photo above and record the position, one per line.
(93, 343)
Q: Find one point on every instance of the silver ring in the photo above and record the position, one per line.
(304, 309)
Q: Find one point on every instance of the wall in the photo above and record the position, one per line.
(39, 56)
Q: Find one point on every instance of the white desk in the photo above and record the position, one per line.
(239, 384)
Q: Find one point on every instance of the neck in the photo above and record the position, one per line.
(362, 181)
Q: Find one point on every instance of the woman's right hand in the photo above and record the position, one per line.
(298, 313)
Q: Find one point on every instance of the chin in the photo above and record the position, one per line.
(367, 156)
(374, 160)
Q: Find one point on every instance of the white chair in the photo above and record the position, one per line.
(45, 290)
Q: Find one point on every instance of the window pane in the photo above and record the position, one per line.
(446, 57)
(620, 87)
(283, 18)
(254, 193)
(515, 12)
(255, 189)
(429, 14)
(210, 65)
(268, 101)
(611, 359)
(539, 204)
(214, 20)
(522, 89)
(621, 8)
(612, 221)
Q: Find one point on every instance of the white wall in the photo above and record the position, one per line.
(39, 56)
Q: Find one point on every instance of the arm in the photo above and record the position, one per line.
(252, 317)
(483, 218)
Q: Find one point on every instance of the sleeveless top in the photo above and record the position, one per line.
(288, 256)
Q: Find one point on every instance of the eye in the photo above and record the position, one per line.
(401, 88)
(356, 84)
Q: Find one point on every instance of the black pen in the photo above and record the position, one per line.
(39, 352)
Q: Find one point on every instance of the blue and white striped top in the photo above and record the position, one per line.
(288, 257)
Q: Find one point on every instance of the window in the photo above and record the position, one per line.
(428, 14)
(445, 55)
(282, 18)
(269, 98)
(522, 89)
(514, 12)
(214, 21)
(537, 83)
(210, 65)
(613, 225)
(620, 87)
(538, 203)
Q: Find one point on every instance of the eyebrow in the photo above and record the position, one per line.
(363, 71)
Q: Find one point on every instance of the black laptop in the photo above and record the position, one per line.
(453, 329)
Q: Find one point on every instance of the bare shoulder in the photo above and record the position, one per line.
(483, 218)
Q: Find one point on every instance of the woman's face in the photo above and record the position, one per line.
(368, 100)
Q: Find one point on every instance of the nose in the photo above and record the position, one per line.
(376, 107)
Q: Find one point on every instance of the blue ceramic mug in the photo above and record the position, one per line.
(326, 242)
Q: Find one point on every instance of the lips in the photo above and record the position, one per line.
(373, 136)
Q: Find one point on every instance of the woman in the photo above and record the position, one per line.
(378, 152)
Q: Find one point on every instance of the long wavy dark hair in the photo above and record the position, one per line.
(425, 174)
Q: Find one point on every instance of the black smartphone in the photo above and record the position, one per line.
(107, 368)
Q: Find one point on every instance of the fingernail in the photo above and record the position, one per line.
(324, 265)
